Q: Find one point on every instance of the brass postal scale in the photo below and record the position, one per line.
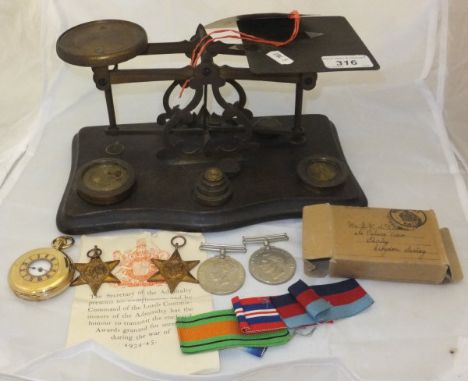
(192, 169)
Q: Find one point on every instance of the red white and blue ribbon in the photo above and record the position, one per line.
(257, 315)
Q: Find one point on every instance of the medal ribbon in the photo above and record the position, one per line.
(257, 315)
(220, 330)
(311, 305)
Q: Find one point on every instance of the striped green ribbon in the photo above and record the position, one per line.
(220, 330)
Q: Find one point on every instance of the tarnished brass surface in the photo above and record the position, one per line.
(42, 273)
(213, 188)
(105, 177)
(322, 171)
(105, 181)
(213, 174)
(102, 43)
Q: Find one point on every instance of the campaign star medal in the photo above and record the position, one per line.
(174, 270)
(95, 272)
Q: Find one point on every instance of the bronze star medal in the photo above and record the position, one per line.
(174, 270)
(96, 272)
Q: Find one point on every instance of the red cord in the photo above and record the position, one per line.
(208, 39)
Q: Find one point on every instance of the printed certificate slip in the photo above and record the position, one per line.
(136, 318)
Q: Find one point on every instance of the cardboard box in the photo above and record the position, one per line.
(378, 243)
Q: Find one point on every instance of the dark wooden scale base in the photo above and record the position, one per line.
(267, 187)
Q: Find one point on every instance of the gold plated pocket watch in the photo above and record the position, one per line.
(42, 273)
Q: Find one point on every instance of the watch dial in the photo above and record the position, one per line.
(38, 268)
(40, 274)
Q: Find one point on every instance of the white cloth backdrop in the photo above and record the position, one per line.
(392, 125)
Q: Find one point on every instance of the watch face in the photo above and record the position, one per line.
(40, 274)
(39, 267)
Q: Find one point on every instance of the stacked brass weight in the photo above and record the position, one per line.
(213, 187)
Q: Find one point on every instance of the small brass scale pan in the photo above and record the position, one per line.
(191, 168)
